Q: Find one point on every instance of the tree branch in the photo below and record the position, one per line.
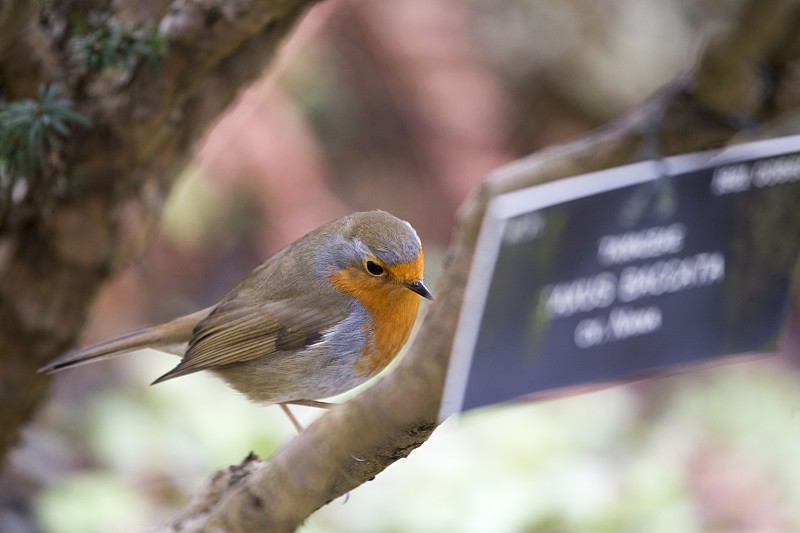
(25, 55)
(358, 439)
(731, 77)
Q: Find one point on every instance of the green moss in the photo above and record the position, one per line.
(32, 132)
(107, 43)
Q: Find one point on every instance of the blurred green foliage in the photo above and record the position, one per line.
(627, 459)
(107, 43)
(32, 132)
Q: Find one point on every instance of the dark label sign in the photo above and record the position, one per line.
(616, 274)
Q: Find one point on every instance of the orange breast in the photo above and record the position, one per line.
(392, 309)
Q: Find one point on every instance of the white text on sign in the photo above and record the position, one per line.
(615, 290)
(766, 173)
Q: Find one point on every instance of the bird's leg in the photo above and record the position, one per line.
(304, 403)
(292, 419)
(310, 403)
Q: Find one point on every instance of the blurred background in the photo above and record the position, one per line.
(407, 106)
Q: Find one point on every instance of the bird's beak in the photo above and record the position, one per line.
(420, 289)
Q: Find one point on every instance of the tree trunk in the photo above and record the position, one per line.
(94, 207)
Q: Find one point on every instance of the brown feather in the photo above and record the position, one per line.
(240, 332)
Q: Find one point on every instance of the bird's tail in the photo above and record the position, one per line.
(165, 335)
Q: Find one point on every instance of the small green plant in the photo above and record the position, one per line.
(109, 43)
(32, 132)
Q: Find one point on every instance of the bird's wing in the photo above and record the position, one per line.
(237, 332)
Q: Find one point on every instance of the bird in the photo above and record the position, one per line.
(319, 317)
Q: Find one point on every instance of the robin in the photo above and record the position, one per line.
(319, 317)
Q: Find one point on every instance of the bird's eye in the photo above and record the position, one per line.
(374, 268)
